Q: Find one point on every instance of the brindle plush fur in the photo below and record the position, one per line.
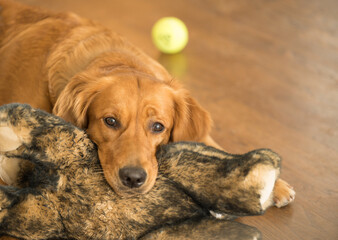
(64, 194)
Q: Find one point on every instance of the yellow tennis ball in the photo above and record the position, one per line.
(170, 35)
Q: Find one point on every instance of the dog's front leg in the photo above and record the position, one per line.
(26, 214)
(283, 193)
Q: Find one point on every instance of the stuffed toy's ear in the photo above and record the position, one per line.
(191, 121)
(12, 136)
(8, 139)
(73, 102)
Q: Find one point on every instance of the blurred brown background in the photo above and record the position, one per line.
(268, 73)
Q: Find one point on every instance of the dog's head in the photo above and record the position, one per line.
(128, 115)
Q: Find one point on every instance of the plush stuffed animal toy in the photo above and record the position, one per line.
(61, 191)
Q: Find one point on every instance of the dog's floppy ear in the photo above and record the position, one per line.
(73, 102)
(191, 121)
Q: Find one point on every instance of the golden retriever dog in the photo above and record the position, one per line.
(92, 77)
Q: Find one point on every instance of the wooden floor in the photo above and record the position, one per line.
(268, 73)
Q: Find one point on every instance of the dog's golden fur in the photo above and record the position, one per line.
(83, 72)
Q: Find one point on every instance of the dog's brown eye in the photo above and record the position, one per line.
(112, 122)
(157, 127)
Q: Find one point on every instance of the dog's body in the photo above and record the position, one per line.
(97, 80)
(66, 196)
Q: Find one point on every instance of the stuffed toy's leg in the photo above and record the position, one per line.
(225, 183)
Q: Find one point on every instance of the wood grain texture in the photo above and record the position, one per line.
(268, 73)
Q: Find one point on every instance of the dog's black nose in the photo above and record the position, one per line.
(132, 177)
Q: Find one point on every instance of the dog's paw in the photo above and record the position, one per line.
(283, 193)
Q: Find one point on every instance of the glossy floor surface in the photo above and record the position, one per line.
(268, 73)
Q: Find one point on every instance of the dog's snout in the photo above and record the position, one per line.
(132, 177)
